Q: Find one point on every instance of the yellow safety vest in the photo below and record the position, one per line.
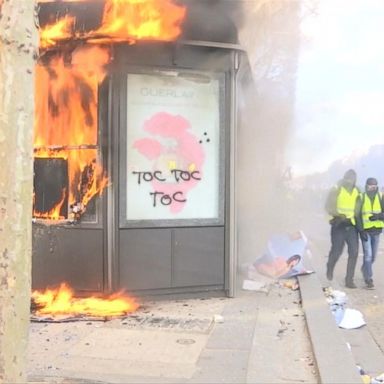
(368, 209)
(346, 203)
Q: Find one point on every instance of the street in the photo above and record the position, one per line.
(366, 343)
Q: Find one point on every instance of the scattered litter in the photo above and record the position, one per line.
(346, 318)
(378, 379)
(291, 283)
(282, 329)
(338, 297)
(350, 349)
(165, 322)
(361, 370)
(185, 341)
(338, 313)
(218, 319)
(368, 379)
(364, 376)
(252, 285)
(352, 319)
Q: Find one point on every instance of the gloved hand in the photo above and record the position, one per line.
(340, 219)
(364, 236)
(376, 216)
(336, 220)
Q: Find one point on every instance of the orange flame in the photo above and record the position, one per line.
(62, 29)
(142, 19)
(63, 1)
(54, 213)
(123, 20)
(61, 301)
(67, 85)
(66, 118)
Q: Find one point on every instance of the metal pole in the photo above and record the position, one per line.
(110, 219)
(232, 179)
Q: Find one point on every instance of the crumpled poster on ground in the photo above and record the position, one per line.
(283, 257)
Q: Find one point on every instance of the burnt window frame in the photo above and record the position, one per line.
(101, 156)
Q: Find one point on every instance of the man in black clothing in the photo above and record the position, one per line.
(343, 204)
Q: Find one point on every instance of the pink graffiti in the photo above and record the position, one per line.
(149, 148)
(183, 149)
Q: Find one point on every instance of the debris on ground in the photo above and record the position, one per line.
(346, 318)
(283, 256)
(368, 379)
(352, 319)
(252, 285)
(291, 284)
(218, 319)
(378, 379)
(282, 329)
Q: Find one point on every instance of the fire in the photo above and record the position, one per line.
(61, 301)
(54, 213)
(66, 119)
(67, 86)
(142, 19)
(123, 21)
(60, 30)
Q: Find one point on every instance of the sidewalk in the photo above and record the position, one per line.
(366, 343)
(257, 337)
(335, 361)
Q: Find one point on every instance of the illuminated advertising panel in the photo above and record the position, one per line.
(173, 147)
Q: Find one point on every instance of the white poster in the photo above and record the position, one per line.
(172, 147)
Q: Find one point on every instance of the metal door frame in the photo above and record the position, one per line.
(114, 124)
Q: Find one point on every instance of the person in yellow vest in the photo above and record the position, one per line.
(372, 221)
(343, 204)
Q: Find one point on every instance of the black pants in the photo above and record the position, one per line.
(339, 236)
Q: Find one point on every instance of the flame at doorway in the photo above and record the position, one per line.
(72, 64)
(61, 302)
(66, 122)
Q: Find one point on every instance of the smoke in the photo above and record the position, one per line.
(269, 31)
(311, 112)
(270, 35)
(212, 20)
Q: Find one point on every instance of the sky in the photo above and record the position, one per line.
(339, 108)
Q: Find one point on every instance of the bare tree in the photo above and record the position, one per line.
(18, 43)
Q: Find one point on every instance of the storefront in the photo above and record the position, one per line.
(164, 219)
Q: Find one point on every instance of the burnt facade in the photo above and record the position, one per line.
(164, 143)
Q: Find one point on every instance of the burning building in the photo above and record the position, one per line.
(135, 143)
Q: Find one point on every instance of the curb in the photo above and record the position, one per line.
(335, 362)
